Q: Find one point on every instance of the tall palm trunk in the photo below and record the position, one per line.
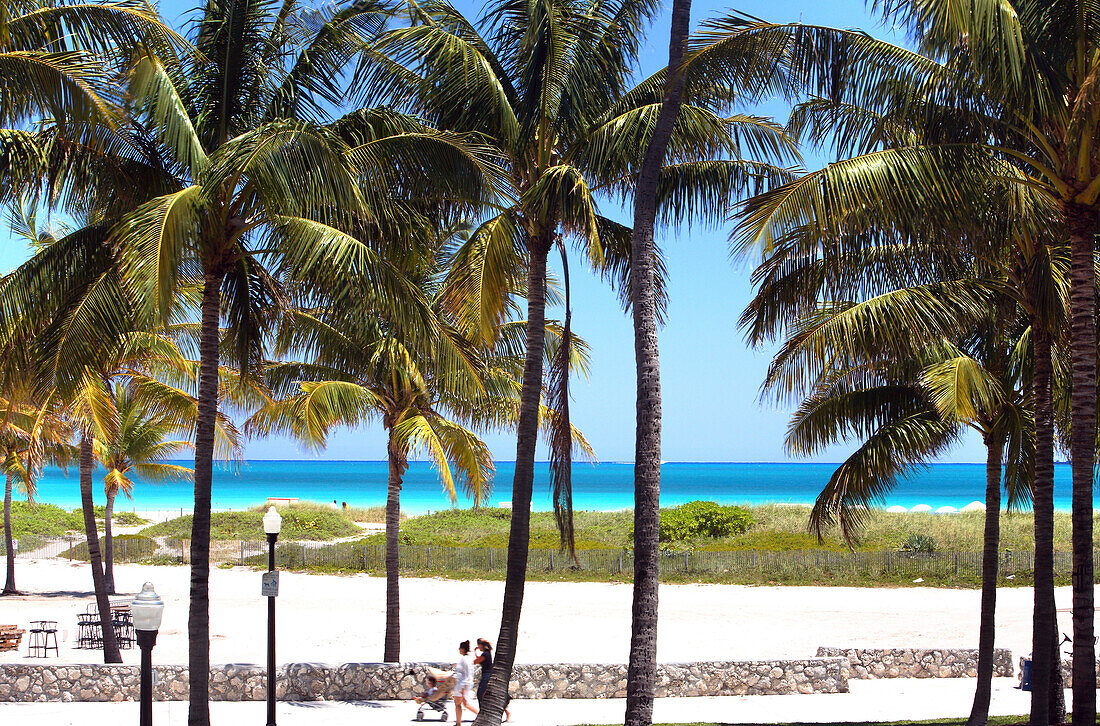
(109, 544)
(398, 464)
(519, 534)
(641, 674)
(198, 620)
(110, 644)
(1082, 302)
(979, 712)
(9, 541)
(1044, 623)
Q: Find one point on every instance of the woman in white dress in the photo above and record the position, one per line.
(464, 681)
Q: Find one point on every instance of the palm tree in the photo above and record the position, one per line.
(58, 57)
(905, 408)
(91, 409)
(359, 371)
(549, 83)
(425, 390)
(1020, 87)
(641, 677)
(27, 437)
(226, 165)
(140, 445)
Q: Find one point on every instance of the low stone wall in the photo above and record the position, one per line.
(22, 683)
(382, 681)
(872, 663)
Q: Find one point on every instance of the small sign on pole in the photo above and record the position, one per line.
(269, 586)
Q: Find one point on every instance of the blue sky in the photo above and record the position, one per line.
(710, 377)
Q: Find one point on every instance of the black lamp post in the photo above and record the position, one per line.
(147, 609)
(272, 524)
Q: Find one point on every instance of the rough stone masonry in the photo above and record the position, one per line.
(391, 681)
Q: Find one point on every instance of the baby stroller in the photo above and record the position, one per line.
(438, 688)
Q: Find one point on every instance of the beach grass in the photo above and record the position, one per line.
(775, 528)
(49, 520)
(303, 521)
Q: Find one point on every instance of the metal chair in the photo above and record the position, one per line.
(123, 623)
(42, 633)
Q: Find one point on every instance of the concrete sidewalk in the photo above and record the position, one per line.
(885, 700)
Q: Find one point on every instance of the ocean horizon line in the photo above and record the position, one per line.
(600, 486)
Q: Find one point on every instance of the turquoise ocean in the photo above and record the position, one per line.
(604, 486)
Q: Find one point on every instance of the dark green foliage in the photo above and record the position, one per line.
(919, 543)
(702, 519)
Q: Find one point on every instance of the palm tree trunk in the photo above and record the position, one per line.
(109, 545)
(9, 541)
(1044, 623)
(641, 674)
(110, 645)
(979, 712)
(1082, 303)
(519, 535)
(198, 619)
(398, 464)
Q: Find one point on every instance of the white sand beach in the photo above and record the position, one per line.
(335, 619)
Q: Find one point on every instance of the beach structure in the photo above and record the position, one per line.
(947, 510)
(896, 509)
(974, 506)
(921, 508)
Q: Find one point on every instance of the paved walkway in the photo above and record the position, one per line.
(885, 700)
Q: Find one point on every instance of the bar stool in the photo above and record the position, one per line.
(89, 633)
(42, 633)
(124, 629)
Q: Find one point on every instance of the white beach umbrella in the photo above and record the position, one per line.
(974, 506)
(921, 508)
(947, 510)
(896, 509)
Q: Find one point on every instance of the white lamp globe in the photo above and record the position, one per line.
(272, 521)
(147, 608)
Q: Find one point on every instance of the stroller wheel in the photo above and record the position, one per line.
(443, 716)
(419, 716)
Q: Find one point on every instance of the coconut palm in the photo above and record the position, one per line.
(70, 326)
(58, 57)
(90, 409)
(1015, 73)
(226, 165)
(29, 437)
(139, 446)
(358, 371)
(903, 410)
(425, 392)
(550, 84)
(641, 677)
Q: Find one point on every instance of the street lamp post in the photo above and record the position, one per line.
(272, 524)
(147, 609)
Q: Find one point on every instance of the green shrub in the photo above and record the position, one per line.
(702, 519)
(919, 543)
